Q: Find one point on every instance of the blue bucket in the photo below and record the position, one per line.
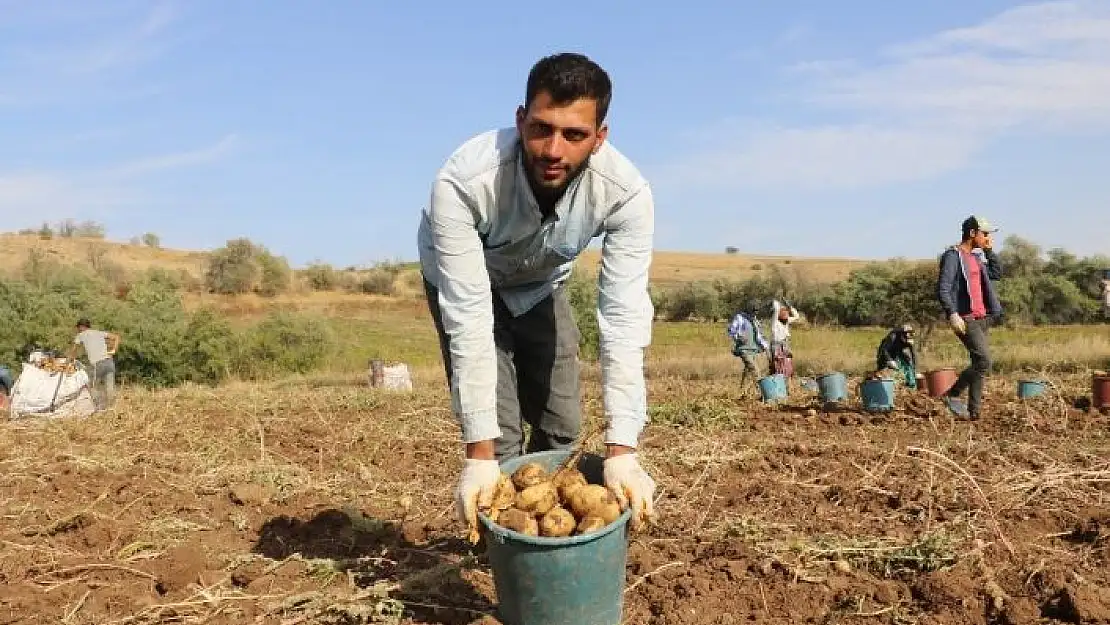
(553, 581)
(833, 387)
(1030, 388)
(773, 388)
(877, 395)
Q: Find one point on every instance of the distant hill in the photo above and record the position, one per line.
(15, 248)
(668, 268)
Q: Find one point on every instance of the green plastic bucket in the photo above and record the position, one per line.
(1027, 389)
(558, 581)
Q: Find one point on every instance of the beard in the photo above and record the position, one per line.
(550, 190)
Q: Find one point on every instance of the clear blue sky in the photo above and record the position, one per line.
(850, 128)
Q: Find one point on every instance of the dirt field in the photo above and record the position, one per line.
(323, 501)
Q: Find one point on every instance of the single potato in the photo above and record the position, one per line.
(538, 499)
(505, 494)
(558, 522)
(519, 521)
(591, 524)
(568, 481)
(592, 500)
(529, 474)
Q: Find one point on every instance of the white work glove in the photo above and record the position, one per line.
(959, 326)
(890, 364)
(631, 485)
(477, 484)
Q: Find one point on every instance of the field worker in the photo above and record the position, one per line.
(747, 342)
(970, 302)
(897, 354)
(782, 359)
(1106, 294)
(510, 211)
(100, 347)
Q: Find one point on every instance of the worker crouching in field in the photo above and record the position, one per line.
(897, 355)
(510, 211)
(747, 343)
(967, 295)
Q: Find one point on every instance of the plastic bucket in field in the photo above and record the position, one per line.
(877, 395)
(773, 388)
(1100, 391)
(940, 380)
(554, 581)
(1030, 388)
(833, 387)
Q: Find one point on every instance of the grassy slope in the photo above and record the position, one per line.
(668, 267)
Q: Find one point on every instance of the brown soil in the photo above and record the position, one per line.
(334, 507)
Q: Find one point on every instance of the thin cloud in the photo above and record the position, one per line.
(176, 160)
(52, 56)
(925, 108)
(29, 197)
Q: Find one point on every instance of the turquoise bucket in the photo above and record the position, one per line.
(773, 388)
(833, 387)
(554, 581)
(1030, 388)
(877, 395)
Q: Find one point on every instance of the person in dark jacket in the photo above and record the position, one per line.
(896, 353)
(971, 304)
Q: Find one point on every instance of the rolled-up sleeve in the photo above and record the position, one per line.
(624, 316)
(467, 309)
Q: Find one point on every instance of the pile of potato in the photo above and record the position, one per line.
(535, 503)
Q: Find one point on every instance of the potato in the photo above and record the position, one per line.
(505, 494)
(519, 521)
(591, 500)
(568, 481)
(529, 474)
(591, 524)
(558, 522)
(537, 499)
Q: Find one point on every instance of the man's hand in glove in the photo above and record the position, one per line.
(959, 326)
(476, 487)
(632, 486)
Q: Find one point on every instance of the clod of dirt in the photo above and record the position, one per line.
(244, 574)
(249, 494)
(1080, 604)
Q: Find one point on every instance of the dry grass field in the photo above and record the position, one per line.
(669, 268)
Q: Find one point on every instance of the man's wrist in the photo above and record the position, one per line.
(612, 450)
(480, 450)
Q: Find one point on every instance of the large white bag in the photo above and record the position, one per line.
(40, 393)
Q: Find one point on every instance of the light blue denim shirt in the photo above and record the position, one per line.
(483, 230)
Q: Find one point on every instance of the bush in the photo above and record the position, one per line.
(582, 295)
(162, 343)
(285, 343)
(321, 277)
(242, 267)
(152, 240)
(378, 281)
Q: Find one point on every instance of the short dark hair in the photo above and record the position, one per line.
(569, 76)
(83, 322)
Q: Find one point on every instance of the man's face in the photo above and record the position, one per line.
(558, 139)
(981, 240)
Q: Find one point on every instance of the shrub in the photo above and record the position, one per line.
(378, 281)
(275, 276)
(242, 267)
(582, 295)
(285, 343)
(151, 240)
(321, 277)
